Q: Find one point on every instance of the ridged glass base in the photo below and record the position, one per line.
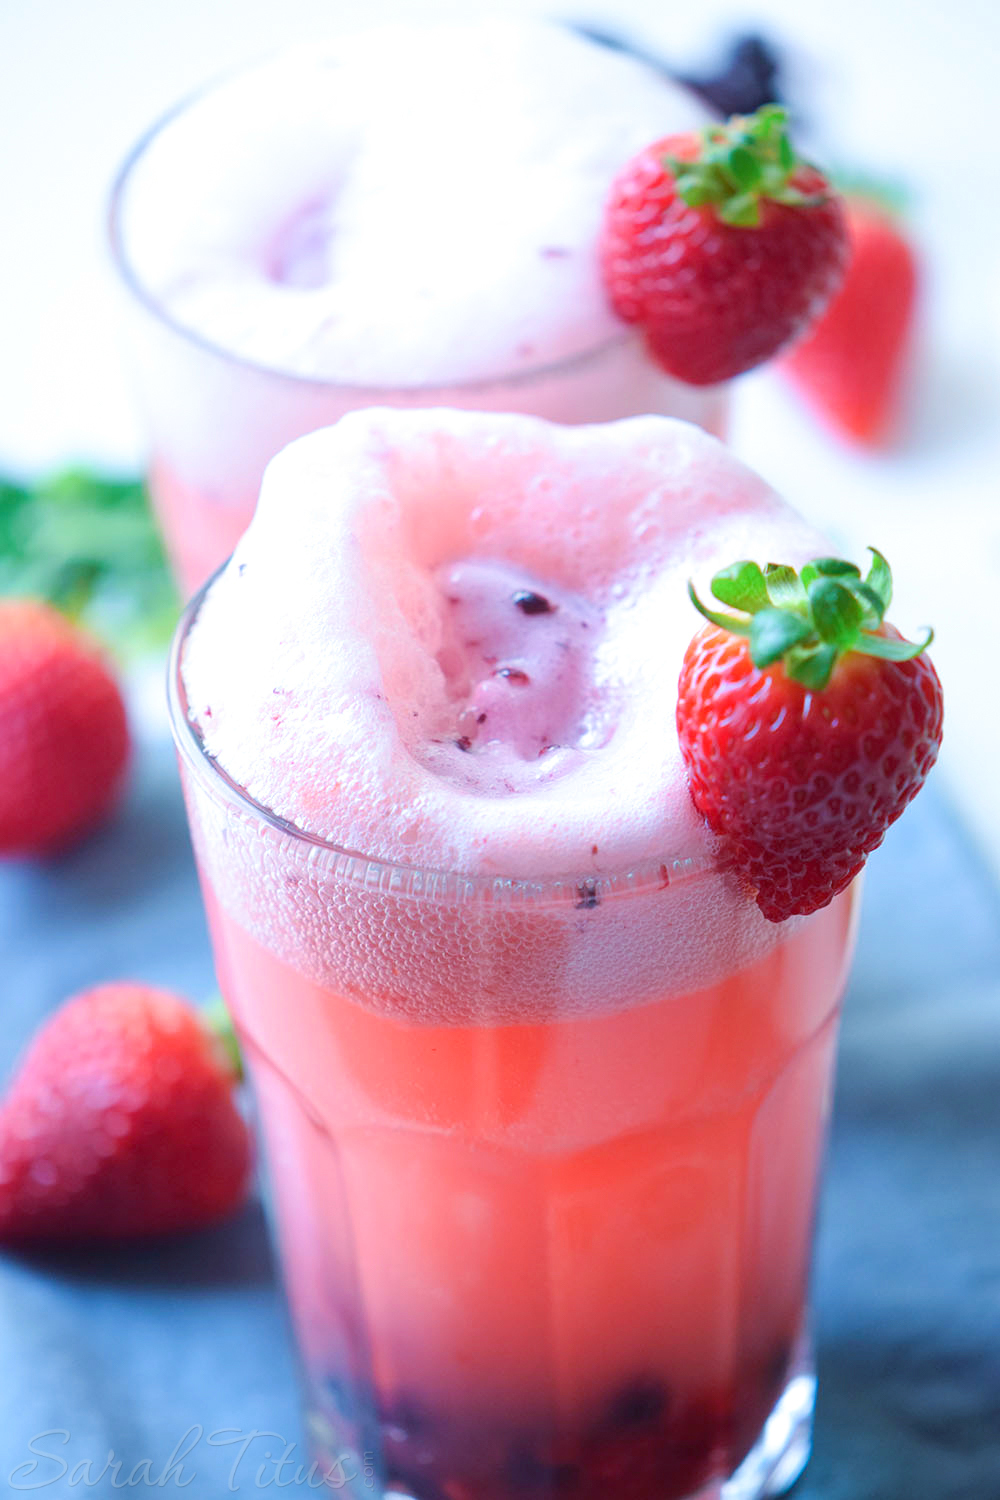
(770, 1468)
(782, 1451)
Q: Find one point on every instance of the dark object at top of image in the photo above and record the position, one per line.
(748, 74)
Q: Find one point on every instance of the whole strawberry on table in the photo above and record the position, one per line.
(122, 1122)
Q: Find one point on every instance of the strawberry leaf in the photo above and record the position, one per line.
(742, 586)
(695, 189)
(784, 588)
(809, 622)
(741, 163)
(813, 668)
(772, 633)
(835, 567)
(873, 606)
(743, 166)
(742, 211)
(837, 612)
(880, 578)
(732, 623)
(891, 650)
(217, 1020)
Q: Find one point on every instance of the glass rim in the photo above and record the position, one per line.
(369, 394)
(586, 890)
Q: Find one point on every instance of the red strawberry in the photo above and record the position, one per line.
(121, 1122)
(851, 365)
(63, 735)
(805, 724)
(723, 246)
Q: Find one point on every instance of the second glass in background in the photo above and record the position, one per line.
(236, 345)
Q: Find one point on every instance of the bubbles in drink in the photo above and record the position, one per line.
(422, 653)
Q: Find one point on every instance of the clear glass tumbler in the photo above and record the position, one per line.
(215, 419)
(555, 1249)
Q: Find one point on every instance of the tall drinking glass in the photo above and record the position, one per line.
(563, 1254)
(217, 413)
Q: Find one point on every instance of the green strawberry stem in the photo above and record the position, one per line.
(217, 1020)
(890, 195)
(740, 163)
(809, 620)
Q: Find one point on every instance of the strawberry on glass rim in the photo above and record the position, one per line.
(724, 246)
(806, 724)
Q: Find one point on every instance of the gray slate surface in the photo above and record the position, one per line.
(133, 1349)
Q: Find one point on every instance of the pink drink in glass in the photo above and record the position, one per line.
(403, 217)
(543, 1095)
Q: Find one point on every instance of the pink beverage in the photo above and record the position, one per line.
(543, 1094)
(406, 216)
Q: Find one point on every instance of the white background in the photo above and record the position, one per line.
(903, 88)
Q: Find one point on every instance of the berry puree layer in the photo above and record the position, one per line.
(408, 215)
(542, 1090)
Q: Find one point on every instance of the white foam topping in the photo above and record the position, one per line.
(416, 204)
(452, 640)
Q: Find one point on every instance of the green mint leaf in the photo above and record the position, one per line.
(88, 544)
